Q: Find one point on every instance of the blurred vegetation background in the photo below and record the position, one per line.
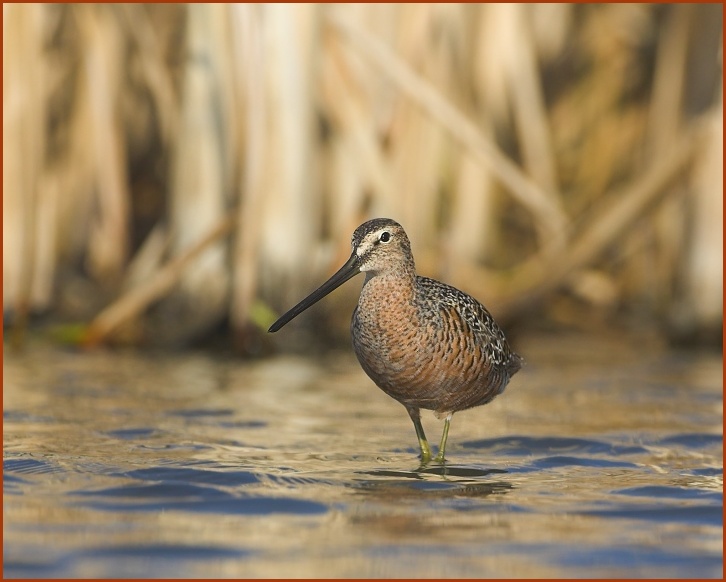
(174, 174)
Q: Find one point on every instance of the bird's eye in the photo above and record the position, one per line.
(385, 236)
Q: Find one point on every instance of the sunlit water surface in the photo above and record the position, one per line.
(601, 459)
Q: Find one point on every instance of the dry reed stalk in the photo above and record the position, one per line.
(24, 143)
(525, 92)
(44, 265)
(148, 259)
(354, 139)
(379, 96)
(551, 27)
(418, 147)
(700, 307)
(699, 302)
(74, 170)
(489, 74)
(666, 102)
(353, 165)
(132, 303)
(198, 197)
(470, 235)
(291, 213)
(347, 185)
(108, 243)
(249, 68)
(156, 74)
(663, 128)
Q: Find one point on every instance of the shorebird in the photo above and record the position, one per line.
(424, 343)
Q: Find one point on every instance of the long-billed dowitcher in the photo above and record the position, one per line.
(424, 343)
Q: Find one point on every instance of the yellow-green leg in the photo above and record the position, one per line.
(422, 442)
(442, 447)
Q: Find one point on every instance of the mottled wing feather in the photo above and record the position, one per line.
(478, 318)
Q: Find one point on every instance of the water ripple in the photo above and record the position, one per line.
(524, 445)
(227, 505)
(692, 514)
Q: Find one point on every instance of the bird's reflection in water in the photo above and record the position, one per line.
(440, 481)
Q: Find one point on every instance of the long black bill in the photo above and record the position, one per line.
(347, 271)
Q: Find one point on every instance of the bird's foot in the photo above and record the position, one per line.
(425, 456)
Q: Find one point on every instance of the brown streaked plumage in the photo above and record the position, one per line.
(424, 343)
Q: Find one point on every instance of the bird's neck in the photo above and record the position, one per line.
(394, 288)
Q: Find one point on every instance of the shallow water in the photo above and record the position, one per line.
(598, 460)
